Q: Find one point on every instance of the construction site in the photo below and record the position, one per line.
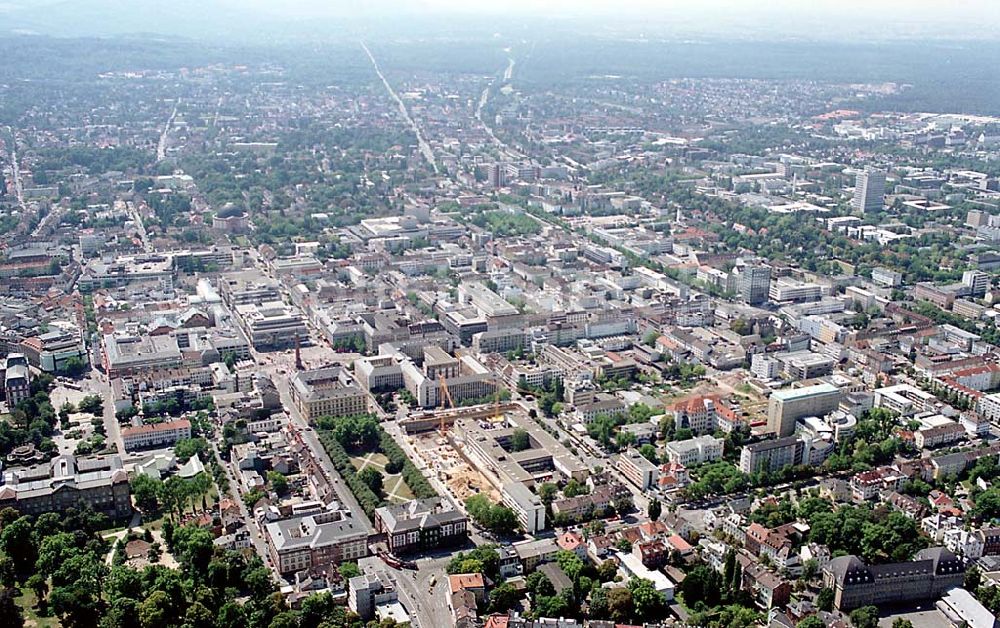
(441, 457)
(495, 449)
(429, 433)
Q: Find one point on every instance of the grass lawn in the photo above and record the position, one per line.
(27, 602)
(377, 460)
(395, 489)
(211, 498)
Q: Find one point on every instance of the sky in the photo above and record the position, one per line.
(977, 13)
(802, 19)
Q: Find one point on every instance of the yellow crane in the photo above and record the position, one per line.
(445, 396)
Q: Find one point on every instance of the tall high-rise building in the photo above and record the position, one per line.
(869, 190)
(753, 284)
(787, 406)
(497, 175)
(977, 281)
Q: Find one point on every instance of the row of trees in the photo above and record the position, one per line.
(173, 496)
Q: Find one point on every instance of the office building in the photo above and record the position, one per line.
(694, 451)
(499, 340)
(156, 434)
(497, 175)
(527, 506)
(805, 364)
(271, 325)
(697, 414)
(367, 591)
(17, 380)
(905, 400)
(130, 354)
(637, 469)
(786, 291)
(471, 380)
(379, 374)
(764, 366)
(247, 288)
(869, 188)
(300, 543)
(753, 284)
(421, 524)
(887, 278)
(51, 351)
(327, 392)
(976, 281)
(787, 406)
(439, 363)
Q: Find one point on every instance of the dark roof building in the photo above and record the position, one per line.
(69, 482)
(420, 524)
(931, 572)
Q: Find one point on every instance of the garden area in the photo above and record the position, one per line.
(393, 485)
(374, 467)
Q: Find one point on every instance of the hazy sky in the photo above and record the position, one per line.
(975, 18)
(803, 19)
(981, 11)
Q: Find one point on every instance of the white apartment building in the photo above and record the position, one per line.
(694, 451)
(156, 434)
(637, 469)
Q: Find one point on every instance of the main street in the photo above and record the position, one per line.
(15, 172)
(161, 145)
(484, 98)
(425, 148)
(140, 226)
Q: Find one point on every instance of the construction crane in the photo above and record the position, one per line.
(497, 415)
(445, 396)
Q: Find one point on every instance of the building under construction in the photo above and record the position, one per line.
(514, 468)
(490, 445)
(431, 420)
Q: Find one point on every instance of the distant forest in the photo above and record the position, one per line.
(946, 76)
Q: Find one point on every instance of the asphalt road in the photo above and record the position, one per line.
(422, 592)
(255, 532)
(95, 383)
(344, 494)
